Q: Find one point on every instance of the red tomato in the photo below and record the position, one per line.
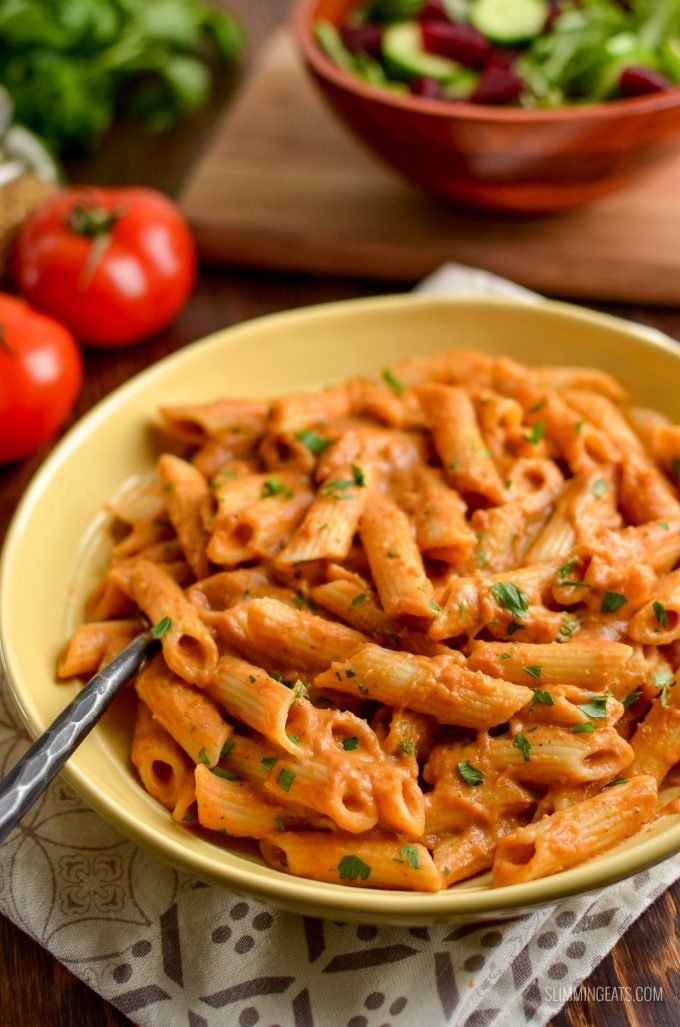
(40, 377)
(115, 265)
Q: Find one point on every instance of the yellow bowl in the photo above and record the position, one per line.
(51, 554)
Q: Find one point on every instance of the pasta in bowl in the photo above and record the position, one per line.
(418, 629)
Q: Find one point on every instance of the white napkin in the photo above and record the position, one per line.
(167, 949)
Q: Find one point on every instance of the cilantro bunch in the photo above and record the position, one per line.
(71, 65)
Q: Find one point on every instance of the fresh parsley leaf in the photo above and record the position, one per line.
(228, 775)
(541, 696)
(285, 779)
(534, 671)
(595, 708)
(660, 613)
(359, 476)
(509, 597)
(358, 599)
(612, 601)
(675, 468)
(524, 746)
(268, 762)
(586, 728)
(314, 442)
(279, 823)
(567, 568)
(398, 388)
(600, 488)
(616, 781)
(631, 698)
(351, 867)
(275, 487)
(471, 775)
(407, 746)
(226, 748)
(536, 434)
(203, 756)
(158, 630)
(412, 856)
(350, 744)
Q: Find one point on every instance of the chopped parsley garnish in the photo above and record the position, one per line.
(631, 698)
(169, 486)
(433, 606)
(509, 597)
(675, 468)
(228, 775)
(512, 628)
(471, 775)
(537, 406)
(350, 744)
(203, 756)
(595, 708)
(351, 867)
(541, 696)
(285, 779)
(224, 474)
(616, 781)
(363, 690)
(586, 728)
(268, 762)
(536, 434)
(252, 679)
(295, 739)
(275, 487)
(660, 613)
(358, 599)
(579, 426)
(505, 656)
(226, 748)
(398, 388)
(600, 488)
(350, 674)
(567, 568)
(391, 554)
(300, 690)
(664, 680)
(412, 856)
(612, 601)
(408, 746)
(567, 628)
(534, 671)
(337, 488)
(664, 525)
(359, 476)
(158, 630)
(524, 746)
(315, 443)
(279, 823)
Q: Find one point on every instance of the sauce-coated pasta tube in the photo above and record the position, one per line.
(437, 685)
(162, 766)
(656, 742)
(235, 807)
(658, 621)
(373, 862)
(188, 645)
(299, 639)
(590, 664)
(185, 489)
(188, 715)
(92, 646)
(388, 538)
(249, 694)
(566, 838)
(196, 423)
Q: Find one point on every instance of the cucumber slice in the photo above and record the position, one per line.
(670, 59)
(510, 21)
(405, 57)
(462, 86)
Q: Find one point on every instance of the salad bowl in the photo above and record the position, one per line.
(497, 158)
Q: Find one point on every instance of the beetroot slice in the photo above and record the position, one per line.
(642, 81)
(434, 10)
(461, 43)
(498, 85)
(427, 87)
(363, 37)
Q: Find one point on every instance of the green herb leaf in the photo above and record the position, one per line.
(203, 756)
(412, 856)
(524, 746)
(586, 728)
(631, 698)
(536, 434)
(408, 746)
(227, 747)
(534, 672)
(675, 468)
(359, 476)
(398, 388)
(285, 779)
(509, 597)
(158, 630)
(358, 599)
(275, 487)
(600, 488)
(279, 823)
(350, 744)
(268, 762)
(541, 696)
(612, 601)
(471, 775)
(228, 775)
(351, 867)
(660, 613)
(595, 708)
(616, 781)
(314, 442)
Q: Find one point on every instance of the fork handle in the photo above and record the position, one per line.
(30, 777)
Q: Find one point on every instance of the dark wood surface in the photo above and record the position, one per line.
(34, 988)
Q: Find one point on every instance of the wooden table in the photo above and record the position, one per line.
(32, 981)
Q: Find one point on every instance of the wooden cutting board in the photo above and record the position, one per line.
(285, 186)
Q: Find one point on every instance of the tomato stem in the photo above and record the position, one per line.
(91, 220)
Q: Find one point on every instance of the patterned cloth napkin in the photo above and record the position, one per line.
(167, 949)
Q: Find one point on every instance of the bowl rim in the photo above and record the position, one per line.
(236, 872)
(301, 19)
